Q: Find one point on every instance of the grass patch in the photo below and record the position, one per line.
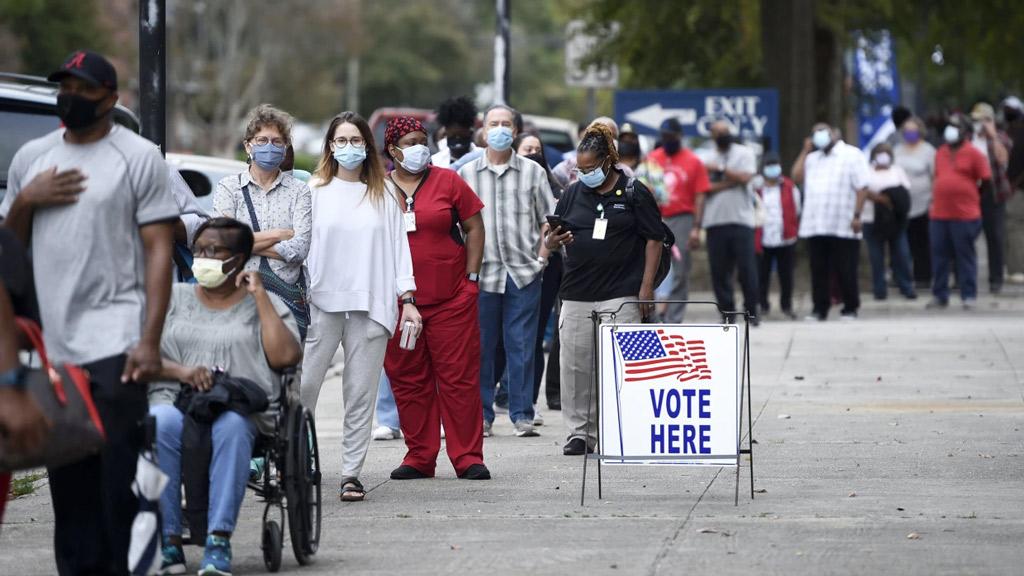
(25, 485)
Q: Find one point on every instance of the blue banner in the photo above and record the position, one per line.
(877, 86)
(753, 113)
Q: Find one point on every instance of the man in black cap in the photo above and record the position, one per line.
(91, 201)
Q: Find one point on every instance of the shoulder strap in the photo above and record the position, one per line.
(248, 204)
(631, 190)
(568, 196)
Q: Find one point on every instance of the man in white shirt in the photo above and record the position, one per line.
(832, 174)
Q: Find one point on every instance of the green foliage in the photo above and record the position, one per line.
(48, 30)
(25, 485)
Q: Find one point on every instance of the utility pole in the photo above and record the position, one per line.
(502, 53)
(153, 71)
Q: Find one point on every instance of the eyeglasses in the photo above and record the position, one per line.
(263, 141)
(588, 170)
(210, 251)
(356, 141)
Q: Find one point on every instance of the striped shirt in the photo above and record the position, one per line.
(516, 198)
(287, 205)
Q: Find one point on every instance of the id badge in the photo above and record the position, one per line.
(410, 221)
(600, 228)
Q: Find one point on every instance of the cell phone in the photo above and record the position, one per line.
(555, 222)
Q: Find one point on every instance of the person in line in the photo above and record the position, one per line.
(231, 322)
(102, 272)
(517, 198)
(276, 205)
(682, 176)
(916, 156)
(436, 383)
(832, 174)
(457, 116)
(995, 145)
(776, 238)
(956, 213)
(630, 154)
(530, 147)
(612, 235)
(888, 232)
(1013, 116)
(726, 213)
(360, 269)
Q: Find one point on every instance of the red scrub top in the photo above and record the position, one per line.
(441, 201)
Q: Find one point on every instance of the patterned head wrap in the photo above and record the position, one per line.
(400, 126)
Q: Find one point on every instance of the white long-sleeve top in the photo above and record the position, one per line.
(359, 258)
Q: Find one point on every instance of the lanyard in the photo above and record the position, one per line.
(410, 199)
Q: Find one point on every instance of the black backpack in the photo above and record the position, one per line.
(665, 262)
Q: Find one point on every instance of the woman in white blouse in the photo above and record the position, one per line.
(882, 183)
(360, 268)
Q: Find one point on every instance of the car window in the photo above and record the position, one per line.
(556, 139)
(18, 127)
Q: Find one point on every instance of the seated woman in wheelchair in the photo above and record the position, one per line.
(231, 322)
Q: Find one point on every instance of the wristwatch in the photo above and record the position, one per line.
(473, 277)
(14, 378)
(409, 300)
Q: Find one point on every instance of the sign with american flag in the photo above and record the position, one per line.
(669, 394)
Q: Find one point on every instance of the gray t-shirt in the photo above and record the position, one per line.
(88, 257)
(733, 205)
(919, 164)
(230, 339)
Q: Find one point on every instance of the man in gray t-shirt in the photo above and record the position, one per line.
(726, 212)
(91, 202)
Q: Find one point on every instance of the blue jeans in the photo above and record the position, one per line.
(512, 315)
(387, 410)
(233, 436)
(899, 254)
(953, 241)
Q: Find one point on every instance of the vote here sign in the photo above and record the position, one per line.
(669, 394)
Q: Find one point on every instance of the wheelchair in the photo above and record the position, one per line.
(290, 481)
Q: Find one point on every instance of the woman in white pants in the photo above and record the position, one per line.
(360, 268)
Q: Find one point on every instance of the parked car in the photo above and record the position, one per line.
(558, 133)
(202, 173)
(28, 110)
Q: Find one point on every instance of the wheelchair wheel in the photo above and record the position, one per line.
(303, 485)
(272, 545)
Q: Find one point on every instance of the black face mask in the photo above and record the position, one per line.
(672, 146)
(629, 149)
(77, 112)
(538, 159)
(1011, 115)
(723, 141)
(459, 146)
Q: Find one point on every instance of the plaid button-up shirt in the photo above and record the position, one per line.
(516, 198)
(831, 182)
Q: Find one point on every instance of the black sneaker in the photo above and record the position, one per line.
(576, 447)
(476, 472)
(406, 472)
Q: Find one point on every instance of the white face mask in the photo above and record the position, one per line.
(209, 272)
(883, 160)
(415, 158)
(821, 139)
(951, 135)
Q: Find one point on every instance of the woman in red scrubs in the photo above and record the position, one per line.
(437, 383)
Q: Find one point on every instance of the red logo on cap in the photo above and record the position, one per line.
(76, 61)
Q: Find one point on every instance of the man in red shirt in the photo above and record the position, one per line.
(682, 177)
(961, 170)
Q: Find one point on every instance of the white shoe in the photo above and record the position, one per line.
(442, 432)
(386, 433)
(487, 429)
(538, 418)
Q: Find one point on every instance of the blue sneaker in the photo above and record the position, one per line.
(256, 466)
(216, 557)
(173, 560)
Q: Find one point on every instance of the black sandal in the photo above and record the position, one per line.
(352, 490)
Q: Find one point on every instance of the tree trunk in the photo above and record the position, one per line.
(787, 36)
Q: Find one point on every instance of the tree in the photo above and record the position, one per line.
(46, 31)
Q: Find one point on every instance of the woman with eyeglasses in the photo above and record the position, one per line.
(360, 268)
(275, 205)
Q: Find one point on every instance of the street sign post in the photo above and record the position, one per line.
(753, 113)
(578, 46)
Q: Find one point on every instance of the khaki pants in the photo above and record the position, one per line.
(576, 336)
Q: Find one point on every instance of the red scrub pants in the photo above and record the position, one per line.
(439, 383)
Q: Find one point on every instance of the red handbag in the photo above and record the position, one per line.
(65, 397)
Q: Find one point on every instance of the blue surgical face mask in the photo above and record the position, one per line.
(821, 139)
(349, 156)
(268, 156)
(499, 138)
(592, 179)
(772, 171)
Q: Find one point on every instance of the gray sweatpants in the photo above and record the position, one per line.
(680, 225)
(364, 343)
(576, 337)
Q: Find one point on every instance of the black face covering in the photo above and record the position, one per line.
(723, 141)
(629, 149)
(537, 158)
(77, 112)
(672, 146)
(459, 146)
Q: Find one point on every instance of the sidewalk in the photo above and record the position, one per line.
(892, 444)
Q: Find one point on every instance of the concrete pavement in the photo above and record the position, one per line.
(893, 444)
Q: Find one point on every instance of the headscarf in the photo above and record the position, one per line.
(400, 126)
